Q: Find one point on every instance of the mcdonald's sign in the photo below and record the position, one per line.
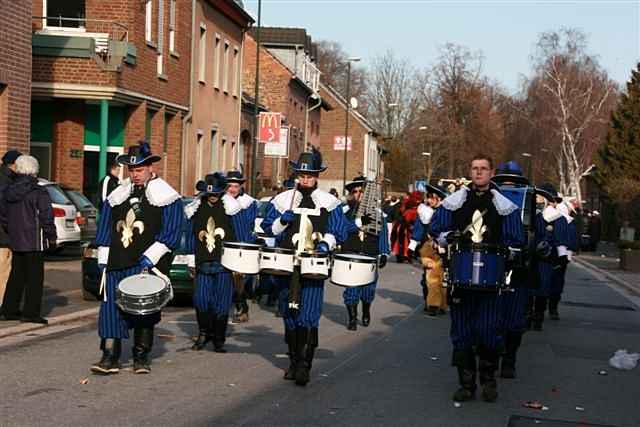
(269, 130)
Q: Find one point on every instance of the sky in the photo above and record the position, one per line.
(504, 31)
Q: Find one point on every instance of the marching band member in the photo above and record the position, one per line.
(478, 214)
(247, 217)
(557, 286)
(359, 241)
(140, 224)
(317, 213)
(213, 217)
(437, 302)
(552, 250)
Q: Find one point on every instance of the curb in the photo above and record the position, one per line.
(623, 284)
(57, 320)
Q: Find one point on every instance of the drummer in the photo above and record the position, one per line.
(567, 210)
(475, 314)
(140, 224)
(247, 216)
(419, 235)
(359, 241)
(301, 300)
(213, 217)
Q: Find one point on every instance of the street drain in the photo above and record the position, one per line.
(520, 421)
(603, 306)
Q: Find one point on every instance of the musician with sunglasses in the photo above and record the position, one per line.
(363, 242)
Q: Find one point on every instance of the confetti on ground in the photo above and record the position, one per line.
(534, 405)
(84, 381)
(457, 404)
(324, 375)
(579, 408)
(603, 372)
(167, 336)
(281, 356)
(332, 412)
(231, 385)
(434, 358)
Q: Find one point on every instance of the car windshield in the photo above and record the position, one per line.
(79, 200)
(57, 195)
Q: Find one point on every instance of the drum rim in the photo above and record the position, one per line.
(480, 247)
(346, 257)
(313, 255)
(241, 245)
(279, 251)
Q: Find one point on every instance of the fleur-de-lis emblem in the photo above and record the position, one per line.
(305, 239)
(209, 235)
(127, 226)
(477, 228)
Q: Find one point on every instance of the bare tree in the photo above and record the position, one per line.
(332, 62)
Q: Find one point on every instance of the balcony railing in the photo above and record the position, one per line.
(110, 37)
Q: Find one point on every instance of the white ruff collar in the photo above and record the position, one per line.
(231, 206)
(159, 193)
(551, 214)
(503, 205)
(320, 198)
(245, 200)
(425, 213)
(564, 210)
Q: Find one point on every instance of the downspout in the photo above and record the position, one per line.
(186, 119)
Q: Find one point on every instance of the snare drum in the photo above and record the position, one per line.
(277, 261)
(352, 270)
(478, 267)
(143, 294)
(314, 265)
(241, 257)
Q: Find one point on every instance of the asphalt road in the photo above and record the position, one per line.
(394, 373)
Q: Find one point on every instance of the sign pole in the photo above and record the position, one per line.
(346, 129)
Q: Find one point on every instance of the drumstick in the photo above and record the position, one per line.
(474, 222)
(293, 196)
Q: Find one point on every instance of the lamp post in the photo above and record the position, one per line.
(346, 122)
(254, 146)
(528, 156)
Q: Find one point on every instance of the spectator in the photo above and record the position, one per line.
(27, 214)
(594, 230)
(7, 175)
(109, 183)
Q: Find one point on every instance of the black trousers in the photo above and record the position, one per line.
(27, 277)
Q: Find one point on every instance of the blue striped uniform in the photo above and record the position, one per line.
(214, 289)
(419, 230)
(476, 320)
(558, 237)
(246, 224)
(367, 293)
(312, 290)
(112, 322)
(557, 284)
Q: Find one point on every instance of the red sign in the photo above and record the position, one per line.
(269, 130)
(338, 143)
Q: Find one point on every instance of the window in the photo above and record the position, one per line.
(147, 125)
(148, 20)
(202, 53)
(65, 13)
(160, 67)
(216, 63)
(199, 149)
(214, 149)
(172, 26)
(225, 68)
(236, 72)
(223, 149)
(233, 155)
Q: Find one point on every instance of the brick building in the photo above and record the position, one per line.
(212, 133)
(15, 75)
(364, 154)
(289, 84)
(105, 75)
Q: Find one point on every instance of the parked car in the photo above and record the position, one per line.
(87, 214)
(64, 213)
(180, 274)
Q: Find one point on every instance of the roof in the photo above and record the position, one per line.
(341, 102)
(282, 36)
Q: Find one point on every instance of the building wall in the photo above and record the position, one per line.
(15, 75)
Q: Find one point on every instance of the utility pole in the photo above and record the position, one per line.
(256, 100)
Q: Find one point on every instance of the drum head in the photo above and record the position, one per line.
(141, 284)
(240, 245)
(278, 251)
(355, 258)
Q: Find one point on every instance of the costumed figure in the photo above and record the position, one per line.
(304, 219)
(479, 223)
(213, 218)
(401, 233)
(140, 224)
(247, 218)
(557, 286)
(431, 255)
(552, 235)
(363, 240)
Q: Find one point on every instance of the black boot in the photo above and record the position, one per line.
(142, 343)
(290, 339)
(512, 343)
(204, 335)
(220, 334)
(312, 344)
(352, 311)
(366, 314)
(554, 301)
(486, 369)
(302, 366)
(465, 361)
(110, 361)
(538, 313)
(432, 311)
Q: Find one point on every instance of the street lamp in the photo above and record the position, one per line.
(528, 156)
(427, 153)
(256, 100)
(346, 122)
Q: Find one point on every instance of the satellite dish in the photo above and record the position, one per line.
(354, 103)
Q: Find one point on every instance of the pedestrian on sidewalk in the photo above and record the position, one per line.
(109, 183)
(26, 212)
(7, 176)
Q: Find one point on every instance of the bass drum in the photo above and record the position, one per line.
(351, 270)
(314, 265)
(276, 261)
(241, 258)
(143, 294)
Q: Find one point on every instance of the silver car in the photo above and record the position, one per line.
(64, 214)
